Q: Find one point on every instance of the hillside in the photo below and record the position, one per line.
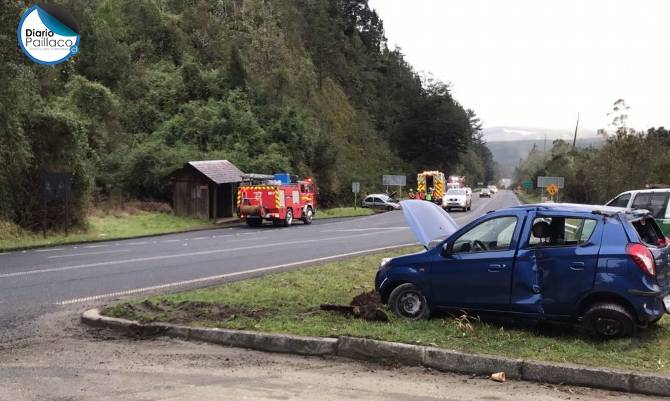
(510, 153)
(306, 86)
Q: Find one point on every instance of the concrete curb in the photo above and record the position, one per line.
(398, 353)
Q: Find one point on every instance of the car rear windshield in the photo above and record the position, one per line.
(649, 232)
(456, 192)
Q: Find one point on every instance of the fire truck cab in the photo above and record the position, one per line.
(279, 198)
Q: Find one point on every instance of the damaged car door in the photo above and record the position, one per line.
(476, 266)
(556, 263)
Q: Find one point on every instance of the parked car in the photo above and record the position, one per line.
(654, 200)
(606, 267)
(484, 193)
(380, 201)
(457, 199)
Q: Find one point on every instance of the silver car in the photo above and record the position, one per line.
(380, 201)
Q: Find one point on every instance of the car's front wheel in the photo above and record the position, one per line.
(607, 321)
(408, 302)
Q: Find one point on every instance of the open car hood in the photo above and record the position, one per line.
(427, 220)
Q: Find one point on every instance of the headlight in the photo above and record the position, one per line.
(384, 263)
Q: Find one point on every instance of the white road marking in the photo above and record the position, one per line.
(199, 238)
(49, 250)
(85, 254)
(4, 253)
(174, 256)
(367, 229)
(96, 246)
(172, 240)
(222, 276)
(139, 243)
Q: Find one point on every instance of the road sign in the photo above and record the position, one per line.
(544, 182)
(552, 189)
(528, 184)
(355, 188)
(394, 180)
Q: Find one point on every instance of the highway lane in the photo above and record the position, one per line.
(45, 280)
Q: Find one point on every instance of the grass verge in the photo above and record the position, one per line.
(526, 197)
(342, 212)
(104, 227)
(289, 303)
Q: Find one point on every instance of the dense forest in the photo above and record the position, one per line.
(306, 86)
(628, 159)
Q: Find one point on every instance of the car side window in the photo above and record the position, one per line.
(560, 231)
(641, 201)
(657, 204)
(621, 201)
(491, 235)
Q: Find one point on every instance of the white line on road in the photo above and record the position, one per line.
(177, 255)
(49, 250)
(86, 254)
(95, 246)
(139, 243)
(222, 276)
(173, 240)
(367, 229)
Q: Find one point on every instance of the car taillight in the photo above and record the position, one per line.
(642, 257)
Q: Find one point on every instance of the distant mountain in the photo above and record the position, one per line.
(496, 134)
(508, 153)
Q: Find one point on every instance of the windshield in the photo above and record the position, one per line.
(456, 192)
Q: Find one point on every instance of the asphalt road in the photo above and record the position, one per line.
(33, 283)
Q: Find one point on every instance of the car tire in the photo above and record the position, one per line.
(606, 321)
(289, 218)
(389, 208)
(408, 302)
(309, 216)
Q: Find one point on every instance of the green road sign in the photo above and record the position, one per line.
(528, 184)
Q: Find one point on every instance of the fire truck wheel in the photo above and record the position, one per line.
(254, 222)
(289, 218)
(309, 215)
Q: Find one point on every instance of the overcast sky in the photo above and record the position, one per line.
(536, 63)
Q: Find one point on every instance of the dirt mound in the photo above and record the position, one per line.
(187, 312)
(367, 305)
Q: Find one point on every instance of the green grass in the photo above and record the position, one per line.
(289, 303)
(528, 197)
(103, 227)
(342, 212)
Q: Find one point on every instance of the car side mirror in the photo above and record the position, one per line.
(446, 250)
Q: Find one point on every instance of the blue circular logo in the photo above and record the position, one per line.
(48, 34)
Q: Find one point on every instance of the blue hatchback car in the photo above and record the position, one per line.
(608, 268)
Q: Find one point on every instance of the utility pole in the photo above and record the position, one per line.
(574, 140)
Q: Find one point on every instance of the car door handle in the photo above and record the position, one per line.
(496, 268)
(577, 265)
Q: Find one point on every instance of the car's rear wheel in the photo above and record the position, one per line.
(605, 321)
(408, 302)
(254, 222)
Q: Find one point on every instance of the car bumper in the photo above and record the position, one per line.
(649, 305)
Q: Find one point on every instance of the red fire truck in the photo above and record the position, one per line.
(279, 198)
